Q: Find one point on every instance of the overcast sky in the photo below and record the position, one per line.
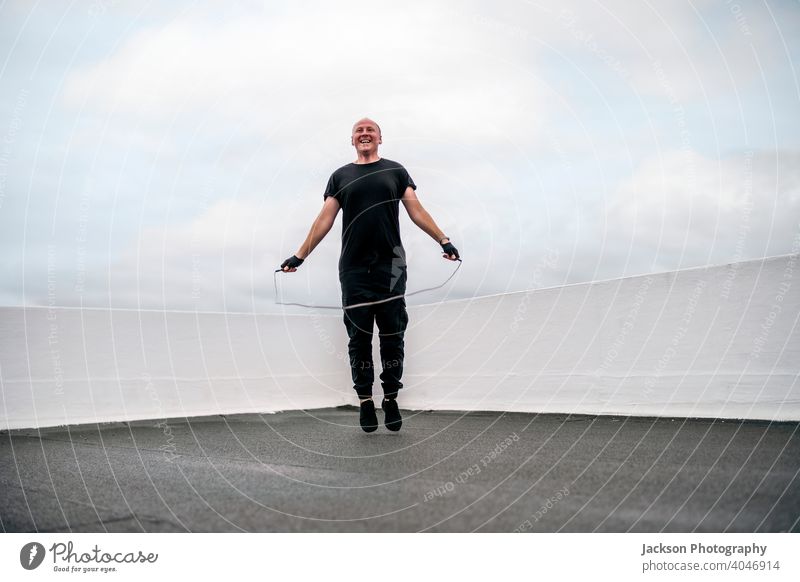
(171, 155)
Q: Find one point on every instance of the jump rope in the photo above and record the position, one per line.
(337, 307)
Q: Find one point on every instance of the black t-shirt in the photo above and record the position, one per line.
(369, 195)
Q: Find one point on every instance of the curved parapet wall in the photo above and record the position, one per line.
(717, 342)
(65, 366)
(710, 342)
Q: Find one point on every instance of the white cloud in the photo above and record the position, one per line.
(311, 66)
(222, 260)
(682, 209)
(679, 51)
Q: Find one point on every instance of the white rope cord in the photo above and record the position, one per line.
(275, 282)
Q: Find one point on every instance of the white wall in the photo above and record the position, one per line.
(61, 366)
(713, 342)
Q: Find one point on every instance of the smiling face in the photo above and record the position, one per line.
(366, 137)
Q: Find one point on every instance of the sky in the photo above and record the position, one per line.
(171, 155)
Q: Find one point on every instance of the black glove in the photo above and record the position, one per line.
(292, 263)
(450, 250)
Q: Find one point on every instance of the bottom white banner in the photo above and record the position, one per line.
(399, 556)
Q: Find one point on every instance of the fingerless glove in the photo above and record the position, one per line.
(450, 249)
(292, 262)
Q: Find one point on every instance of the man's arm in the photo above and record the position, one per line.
(321, 227)
(422, 219)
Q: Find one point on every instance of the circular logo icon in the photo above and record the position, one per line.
(31, 555)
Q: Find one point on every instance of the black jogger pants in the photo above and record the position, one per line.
(392, 320)
(375, 282)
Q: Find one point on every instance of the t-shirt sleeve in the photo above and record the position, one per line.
(408, 180)
(330, 189)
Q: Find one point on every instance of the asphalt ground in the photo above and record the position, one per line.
(316, 471)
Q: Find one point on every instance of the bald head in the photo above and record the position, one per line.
(366, 121)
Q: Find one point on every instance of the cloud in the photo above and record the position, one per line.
(222, 260)
(289, 74)
(679, 51)
(682, 209)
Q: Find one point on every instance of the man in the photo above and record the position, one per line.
(372, 267)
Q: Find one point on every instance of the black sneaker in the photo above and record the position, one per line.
(392, 418)
(368, 418)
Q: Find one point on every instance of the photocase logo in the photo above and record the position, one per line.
(31, 555)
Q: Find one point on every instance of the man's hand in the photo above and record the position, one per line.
(450, 252)
(290, 265)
